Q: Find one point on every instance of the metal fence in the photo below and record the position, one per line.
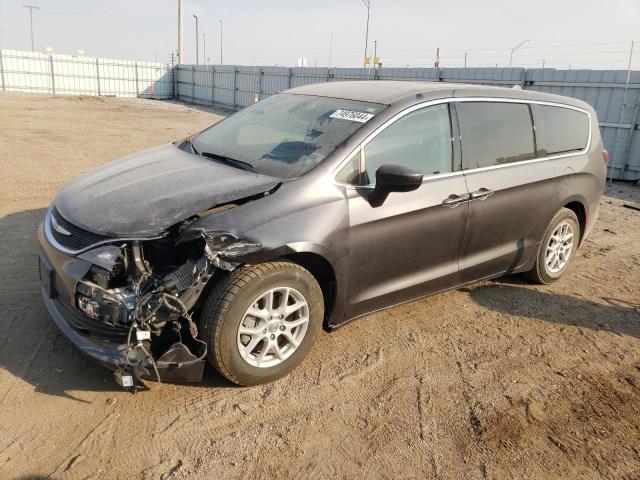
(65, 74)
(616, 101)
(614, 94)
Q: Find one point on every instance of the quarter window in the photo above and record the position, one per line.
(495, 133)
(420, 140)
(350, 173)
(562, 129)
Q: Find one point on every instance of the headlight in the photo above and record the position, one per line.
(104, 257)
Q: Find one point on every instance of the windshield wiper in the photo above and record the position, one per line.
(189, 142)
(229, 161)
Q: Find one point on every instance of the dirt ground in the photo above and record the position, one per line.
(504, 379)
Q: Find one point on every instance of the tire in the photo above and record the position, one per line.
(542, 272)
(227, 307)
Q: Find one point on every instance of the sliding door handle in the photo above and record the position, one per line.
(481, 194)
(454, 200)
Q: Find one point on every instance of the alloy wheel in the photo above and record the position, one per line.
(559, 248)
(273, 327)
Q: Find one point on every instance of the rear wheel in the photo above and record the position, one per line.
(261, 321)
(557, 249)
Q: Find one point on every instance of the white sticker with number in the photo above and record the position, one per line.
(361, 117)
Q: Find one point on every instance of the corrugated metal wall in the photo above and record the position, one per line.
(232, 86)
(64, 74)
(616, 103)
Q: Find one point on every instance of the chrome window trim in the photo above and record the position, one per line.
(418, 106)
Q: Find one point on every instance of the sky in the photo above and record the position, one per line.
(562, 33)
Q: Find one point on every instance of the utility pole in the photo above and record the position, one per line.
(465, 59)
(330, 48)
(543, 62)
(180, 31)
(375, 54)
(367, 3)
(220, 42)
(31, 9)
(197, 39)
(621, 116)
(204, 48)
(513, 50)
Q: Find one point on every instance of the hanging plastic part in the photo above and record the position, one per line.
(125, 379)
(184, 360)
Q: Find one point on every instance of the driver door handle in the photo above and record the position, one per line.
(454, 200)
(481, 194)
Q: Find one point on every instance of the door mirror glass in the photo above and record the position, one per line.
(397, 178)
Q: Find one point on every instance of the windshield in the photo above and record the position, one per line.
(285, 135)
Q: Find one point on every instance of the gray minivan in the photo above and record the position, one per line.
(311, 208)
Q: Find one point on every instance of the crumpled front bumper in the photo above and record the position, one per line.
(106, 344)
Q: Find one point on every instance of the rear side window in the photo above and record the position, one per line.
(495, 133)
(563, 130)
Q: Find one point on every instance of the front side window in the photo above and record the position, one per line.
(564, 130)
(286, 135)
(495, 133)
(420, 140)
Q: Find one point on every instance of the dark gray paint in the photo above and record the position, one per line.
(407, 248)
(143, 194)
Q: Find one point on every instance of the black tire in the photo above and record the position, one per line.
(540, 272)
(229, 300)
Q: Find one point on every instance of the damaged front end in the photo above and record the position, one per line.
(149, 290)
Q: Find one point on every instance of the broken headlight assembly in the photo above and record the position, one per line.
(147, 290)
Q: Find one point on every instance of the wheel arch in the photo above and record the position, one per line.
(323, 272)
(316, 259)
(579, 208)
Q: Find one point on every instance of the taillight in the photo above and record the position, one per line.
(605, 156)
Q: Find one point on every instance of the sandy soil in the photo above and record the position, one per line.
(500, 380)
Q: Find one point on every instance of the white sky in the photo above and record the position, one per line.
(583, 34)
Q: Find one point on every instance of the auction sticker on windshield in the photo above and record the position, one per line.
(361, 117)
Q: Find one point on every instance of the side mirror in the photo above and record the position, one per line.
(397, 178)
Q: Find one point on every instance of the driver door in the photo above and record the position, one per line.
(409, 245)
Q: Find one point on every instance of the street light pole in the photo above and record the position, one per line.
(375, 54)
(367, 3)
(180, 31)
(513, 50)
(204, 48)
(220, 42)
(31, 9)
(197, 39)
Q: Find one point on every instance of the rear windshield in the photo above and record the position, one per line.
(286, 135)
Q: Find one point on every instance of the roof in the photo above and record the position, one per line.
(389, 92)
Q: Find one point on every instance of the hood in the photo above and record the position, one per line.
(143, 194)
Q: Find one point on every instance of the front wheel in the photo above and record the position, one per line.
(260, 321)
(558, 248)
